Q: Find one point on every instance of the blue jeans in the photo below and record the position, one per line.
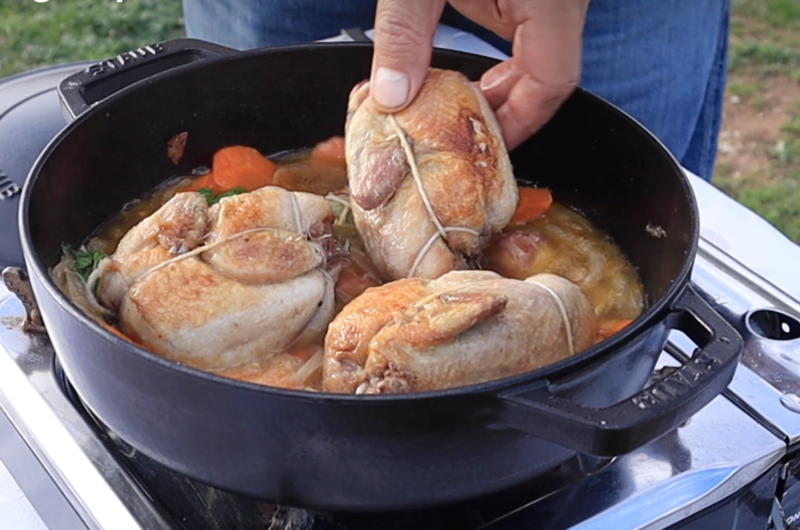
(662, 61)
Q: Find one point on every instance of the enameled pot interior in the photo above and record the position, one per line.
(593, 157)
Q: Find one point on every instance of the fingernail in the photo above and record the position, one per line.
(389, 88)
(495, 76)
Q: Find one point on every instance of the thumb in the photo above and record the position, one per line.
(404, 32)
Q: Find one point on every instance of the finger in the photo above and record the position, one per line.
(548, 43)
(529, 106)
(545, 69)
(497, 82)
(490, 15)
(404, 32)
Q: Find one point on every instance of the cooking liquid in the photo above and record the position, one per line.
(561, 242)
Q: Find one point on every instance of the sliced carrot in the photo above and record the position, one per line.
(533, 203)
(117, 332)
(613, 327)
(239, 166)
(331, 151)
(206, 181)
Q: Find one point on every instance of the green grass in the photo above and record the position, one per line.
(59, 31)
(745, 90)
(787, 150)
(765, 43)
(776, 199)
(778, 203)
(754, 52)
(763, 58)
(776, 13)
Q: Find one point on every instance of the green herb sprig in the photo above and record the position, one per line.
(84, 262)
(212, 199)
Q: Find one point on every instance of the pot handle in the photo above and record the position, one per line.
(82, 90)
(653, 412)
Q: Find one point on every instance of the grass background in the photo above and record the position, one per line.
(764, 47)
(59, 31)
(763, 67)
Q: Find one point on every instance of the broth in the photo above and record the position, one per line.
(560, 241)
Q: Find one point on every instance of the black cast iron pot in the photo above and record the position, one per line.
(363, 453)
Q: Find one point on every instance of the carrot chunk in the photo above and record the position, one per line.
(117, 332)
(239, 166)
(607, 329)
(533, 203)
(206, 181)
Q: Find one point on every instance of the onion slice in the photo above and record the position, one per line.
(89, 286)
(313, 364)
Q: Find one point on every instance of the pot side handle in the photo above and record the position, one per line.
(80, 91)
(653, 412)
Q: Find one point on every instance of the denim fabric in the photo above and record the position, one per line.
(245, 24)
(662, 61)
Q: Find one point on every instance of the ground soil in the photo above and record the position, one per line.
(752, 124)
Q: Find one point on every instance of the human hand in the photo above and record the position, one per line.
(525, 90)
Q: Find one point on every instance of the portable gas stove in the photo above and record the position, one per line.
(733, 465)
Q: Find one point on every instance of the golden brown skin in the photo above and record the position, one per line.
(466, 327)
(243, 301)
(166, 233)
(463, 165)
(274, 256)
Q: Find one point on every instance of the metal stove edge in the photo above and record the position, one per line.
(84, 470)
(767, 380)
(713, 455)
(695, 459)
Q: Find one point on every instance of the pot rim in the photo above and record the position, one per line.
(577, 362)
